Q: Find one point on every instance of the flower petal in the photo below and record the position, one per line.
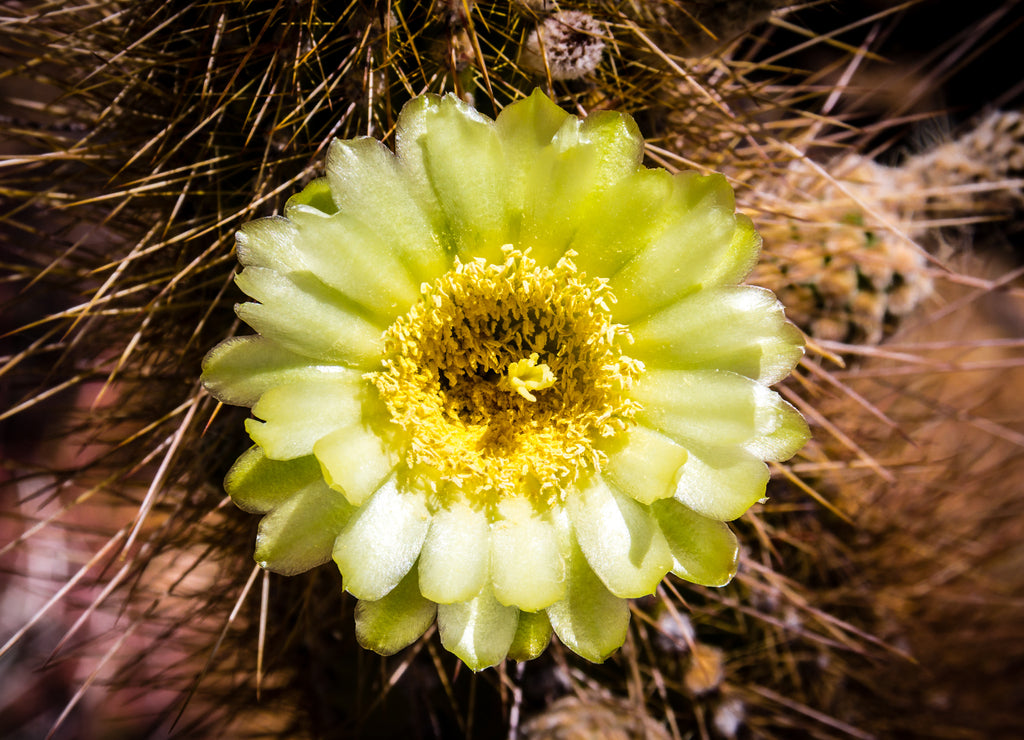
(356, 459)
(704, 551)
(617, 140)
(721, 482)
(644, 464)
(527, 570)
(788, 437)
(299, 534)
(297, 415)
(381, 542)
(620, 539)
(525, 128)
(342, 252)
(623, 221)
(316, 196)
(305, 316)
(533, 633)
(719, 409)
(478, 631)
(569, 180)
(369, 184)
(700, 248)
(737, 328)
(258, 484)
(590, 620)
(455, 560)
(241, 369)
(269, 243)
(454, 153)
(395, 621)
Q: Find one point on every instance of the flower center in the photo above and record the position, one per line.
(505, 375)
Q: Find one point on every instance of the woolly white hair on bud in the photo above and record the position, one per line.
(568, 45)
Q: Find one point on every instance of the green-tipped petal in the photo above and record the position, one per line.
(620, 539)
(527, 568)
(618, 141)
(526, 126)
(299, 534)
(305, 316)
(240, 370)
(395, 621)
(356, 459)
(269, 243)
(455, 154)
(565, 181)
(785, 440)
(744, 249)
(316, 196)
(721, 482)
(737, 328)
(342, 252)
(297, 415)
(624, 220)
(644, 464)
(304, 514)
(704, 551)
(526, 129)
(381, 542)
(258, 484)
(478, 631)
(533, 633)
(455, 560)
(719, 409)
(687, 256)
(591, 621)
(369, 184)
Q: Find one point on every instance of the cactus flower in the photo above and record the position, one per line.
(506, 378)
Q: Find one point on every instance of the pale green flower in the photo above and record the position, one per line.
(505, 378)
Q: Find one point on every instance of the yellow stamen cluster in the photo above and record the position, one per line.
(504, 375)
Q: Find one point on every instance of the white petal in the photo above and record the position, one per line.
(271, 243)
(381, 542)
(239, 370)
(456, 556)
(342, 252)
(369, 184)
(623, 221)
(620, 539)
(737, 328)
(721, 482)
(297, 415)
(527, 567)
(356, 459)
(644, 464)
(719, 409)
(454, 152)
(305, 316)
(701, 248)
(557, 178)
